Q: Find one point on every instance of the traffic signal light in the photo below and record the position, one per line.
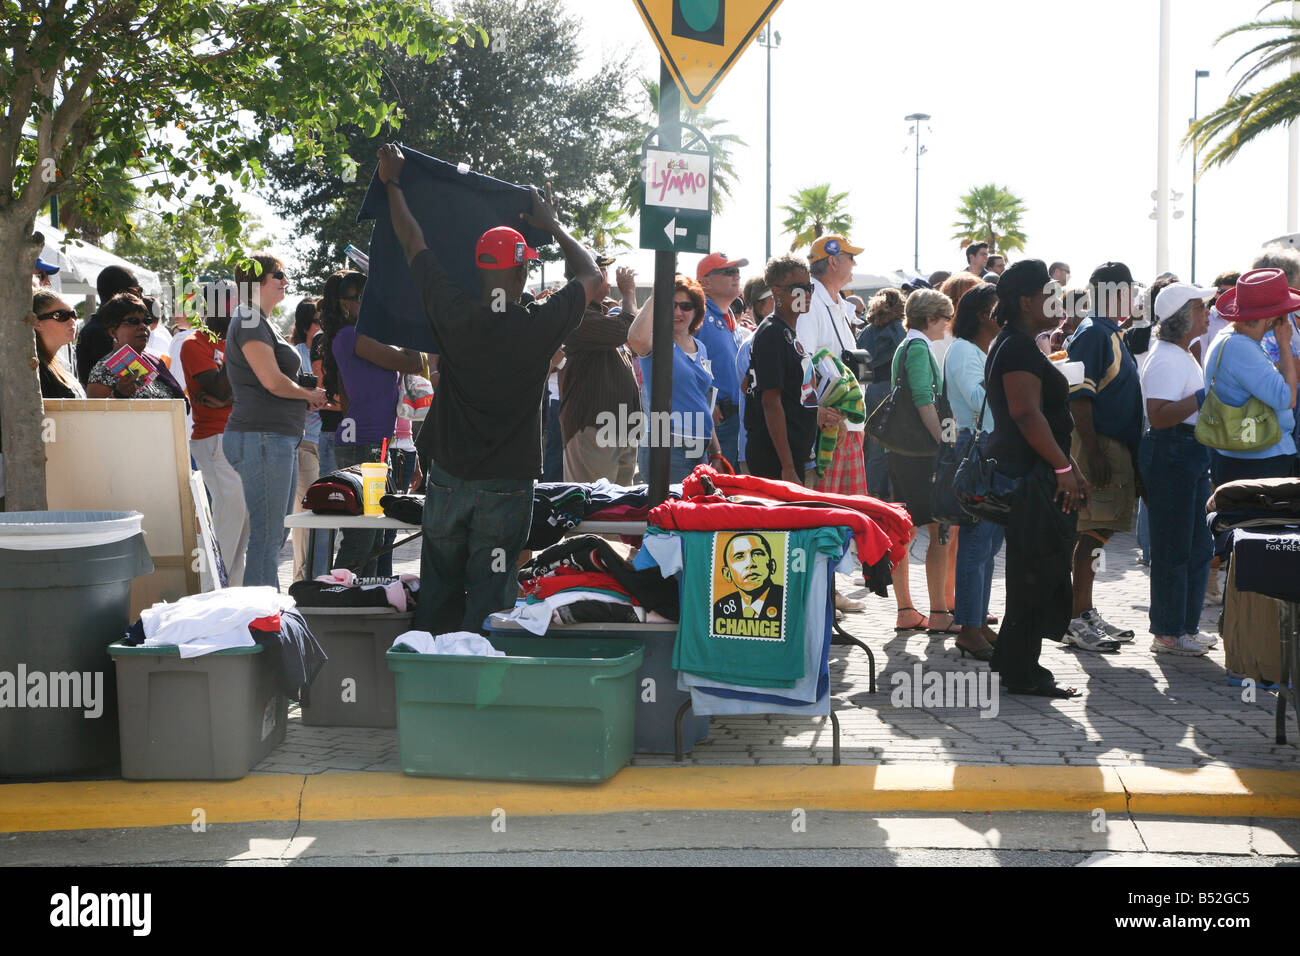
(700, 20)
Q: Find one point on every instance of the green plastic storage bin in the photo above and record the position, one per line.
(211, 717)
(657, 699)
(568, 716)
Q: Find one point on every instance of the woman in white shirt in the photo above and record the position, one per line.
(1175, 469)
(977, 544)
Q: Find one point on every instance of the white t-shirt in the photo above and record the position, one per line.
(826, 325)
(1171, 374)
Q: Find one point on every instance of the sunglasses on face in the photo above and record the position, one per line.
(805, 286)
(733, 272)
(683, 306)
(135, 320)
(59, 315)
(279, 274)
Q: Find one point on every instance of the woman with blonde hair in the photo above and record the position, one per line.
(928, 314)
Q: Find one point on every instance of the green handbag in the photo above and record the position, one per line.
(1250, 427)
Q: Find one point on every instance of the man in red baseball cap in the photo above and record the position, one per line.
(483, 434)
(719, 276)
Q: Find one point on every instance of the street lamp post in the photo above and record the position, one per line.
(1196, 168)
(917, 119)
(769, 40)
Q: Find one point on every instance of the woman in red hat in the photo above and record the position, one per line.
(1237, 368)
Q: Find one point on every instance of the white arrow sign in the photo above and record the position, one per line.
(670, 229)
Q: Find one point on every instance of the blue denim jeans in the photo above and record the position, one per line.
(1176, 470)
(325, 448)
(356, 543)
(553, 447)
(680, 462)
(977, 546)
(267, 465)
(728, 433)
(1144, 530)
(473, 533)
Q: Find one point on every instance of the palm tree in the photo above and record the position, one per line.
(724, 170)
(601, 226)
(1224, 132)
(813, 212)
(990, 214)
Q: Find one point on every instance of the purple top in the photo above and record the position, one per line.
(372, 394)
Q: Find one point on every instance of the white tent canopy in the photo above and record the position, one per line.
(80, 263)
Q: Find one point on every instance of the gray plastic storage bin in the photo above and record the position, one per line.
(655, 679)
(65, 595)
(211, 717)
(355, 640)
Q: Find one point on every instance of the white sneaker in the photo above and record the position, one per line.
(1093, 617)
(1087, 637)
(1184, 645)
(1205, 639)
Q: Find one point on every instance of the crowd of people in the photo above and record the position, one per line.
(1089, 395)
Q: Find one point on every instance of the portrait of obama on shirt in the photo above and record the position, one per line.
(756, 609)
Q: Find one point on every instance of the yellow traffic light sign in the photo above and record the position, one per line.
(700, 40)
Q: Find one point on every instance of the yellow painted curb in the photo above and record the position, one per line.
(885, 788)
(108, 804)
(386, 796)
(1212, 792)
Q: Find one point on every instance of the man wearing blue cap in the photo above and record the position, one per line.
(41, 274)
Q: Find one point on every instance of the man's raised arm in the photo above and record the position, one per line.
(582, 266)
(408, 230)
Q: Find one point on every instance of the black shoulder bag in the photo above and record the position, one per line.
(984, 492)
(896, 423)
(944, 506)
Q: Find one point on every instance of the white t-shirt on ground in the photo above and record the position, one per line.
(1171, 374)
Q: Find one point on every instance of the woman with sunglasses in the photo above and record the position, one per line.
(56, 326)
(126, 319)
(270, 413)
(691, 435)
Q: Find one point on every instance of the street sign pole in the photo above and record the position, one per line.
(661, 381)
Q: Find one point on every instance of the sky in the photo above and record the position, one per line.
(1055, 101)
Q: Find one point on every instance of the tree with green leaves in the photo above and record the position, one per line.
(723, 144)
(188, 246)
(605, 228)
(517, 108)
(1223, 133)
(813, 212)
(175, 95)
(990, 214)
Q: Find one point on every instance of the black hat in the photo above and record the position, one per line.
(1110, 273)
(1026, 277)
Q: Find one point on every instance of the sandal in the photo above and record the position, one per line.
(952, 628)
(1045, 690)
(924, 624)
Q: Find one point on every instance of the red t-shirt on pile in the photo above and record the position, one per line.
(200, 354)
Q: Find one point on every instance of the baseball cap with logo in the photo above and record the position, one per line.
(502, 248)
(715, 261)
(1173, 297)
(828, 246)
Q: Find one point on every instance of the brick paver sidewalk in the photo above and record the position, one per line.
(1137, 709)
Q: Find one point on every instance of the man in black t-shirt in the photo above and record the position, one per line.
(781, 413)
(483, 433)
